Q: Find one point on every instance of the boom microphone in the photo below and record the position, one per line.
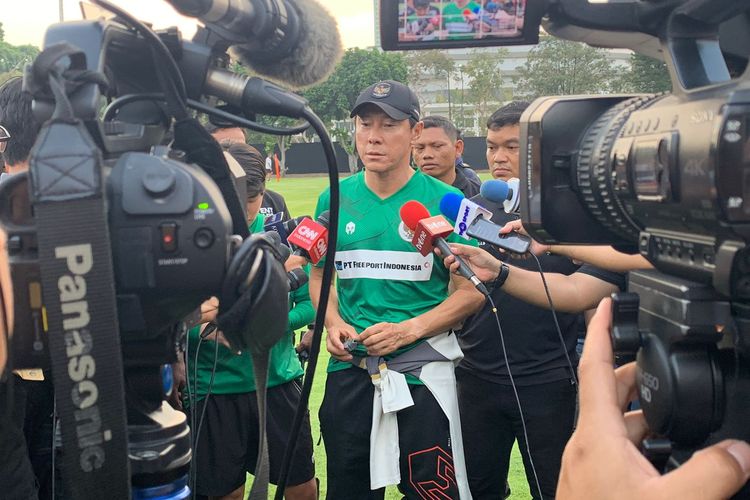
(430, 232)
(474, 223)
(501, 192)
(296, 42)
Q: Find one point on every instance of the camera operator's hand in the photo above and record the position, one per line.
(294, 261)
(602, 460)
(336, 335)
(517, 226)
(482, 263)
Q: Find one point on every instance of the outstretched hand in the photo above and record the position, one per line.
(602, 460)
(482, 263)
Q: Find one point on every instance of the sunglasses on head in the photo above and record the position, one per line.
(4, 138)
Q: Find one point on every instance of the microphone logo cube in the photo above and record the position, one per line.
(312, 238)
(427, 230)
(468, 212)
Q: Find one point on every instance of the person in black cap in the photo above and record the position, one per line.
(384, 423)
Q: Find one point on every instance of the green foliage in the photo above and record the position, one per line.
(647, 75)
(14, 57)
(359, 68)
(561, 67)
(485, 79)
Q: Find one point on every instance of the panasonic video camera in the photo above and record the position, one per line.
(665, 175)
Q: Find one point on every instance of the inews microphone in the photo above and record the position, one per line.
(293, 41)
(474, 224)
(501, 192)
(311, 238)
(430, 232)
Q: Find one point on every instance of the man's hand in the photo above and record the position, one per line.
(179, 381)
(336, 336)
(294, 261)
(515, 225)
(602, 460)
(384, 338)
(483, 264)
(305, 342)
(209, 310)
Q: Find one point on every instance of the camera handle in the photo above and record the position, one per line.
(67, 194)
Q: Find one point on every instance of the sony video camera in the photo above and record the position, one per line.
(664, 175)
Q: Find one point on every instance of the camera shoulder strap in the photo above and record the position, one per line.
(79, 294)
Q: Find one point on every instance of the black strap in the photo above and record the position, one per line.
(79, 297)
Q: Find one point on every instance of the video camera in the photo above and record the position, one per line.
(129, 218)
(664, 175)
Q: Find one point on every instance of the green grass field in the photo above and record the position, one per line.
(301, 194)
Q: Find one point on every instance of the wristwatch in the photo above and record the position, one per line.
(502, 275)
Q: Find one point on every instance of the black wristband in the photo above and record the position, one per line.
(502, 275)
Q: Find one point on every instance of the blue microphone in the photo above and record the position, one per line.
(501, 192)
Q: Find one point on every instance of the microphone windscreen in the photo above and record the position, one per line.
(311, 60)
(412, 212)
(450, 205)
(495, 190)
(324, 219)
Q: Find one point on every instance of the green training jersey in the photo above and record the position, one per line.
(380, 275)
(460, 20)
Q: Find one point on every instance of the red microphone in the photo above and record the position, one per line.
(310, 237)
(430, 232)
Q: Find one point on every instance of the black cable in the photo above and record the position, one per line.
(333, 176)
(116, 104)
(557, 324)
(205, 401)
(515, 393)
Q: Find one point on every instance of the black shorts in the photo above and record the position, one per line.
(228, 444)
(426, 456)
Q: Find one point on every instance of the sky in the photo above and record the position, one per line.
(25, 21)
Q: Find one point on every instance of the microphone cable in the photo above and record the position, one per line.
(515, 393)
(302, 408)
(574, 378)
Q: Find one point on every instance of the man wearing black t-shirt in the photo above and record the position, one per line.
(540, 365)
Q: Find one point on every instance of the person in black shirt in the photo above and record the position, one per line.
(540, 365)
(436, 152)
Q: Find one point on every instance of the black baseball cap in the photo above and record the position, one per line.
(395, 99)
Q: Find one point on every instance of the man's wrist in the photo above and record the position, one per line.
(502, 275)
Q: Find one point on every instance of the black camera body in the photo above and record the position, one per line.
(171, 244)
(664, 175)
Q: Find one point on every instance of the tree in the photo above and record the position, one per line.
(647, 75)
(428, 66)
(333, 99)
(561, 67)
(485, 79)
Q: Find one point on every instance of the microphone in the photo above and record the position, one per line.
(282, 227)
(501, 192)
(296, 277)
(474, 223)
(455, 207)
(281, 251)
(430, 232)
(293, 41)
(311, 238)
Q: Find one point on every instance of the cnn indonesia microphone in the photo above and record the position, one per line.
(472, 221)
(311, 238)
(430, 232)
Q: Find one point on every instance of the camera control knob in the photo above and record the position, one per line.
(158, 181)
(204, 238)
(626, 338)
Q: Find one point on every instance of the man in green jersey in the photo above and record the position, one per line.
(461, 19)
(387, 427)
(227, 439)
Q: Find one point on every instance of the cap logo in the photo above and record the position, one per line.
(381, 90)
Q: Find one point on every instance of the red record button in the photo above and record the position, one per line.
(168, 236)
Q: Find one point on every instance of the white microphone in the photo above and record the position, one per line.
(465, 215)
